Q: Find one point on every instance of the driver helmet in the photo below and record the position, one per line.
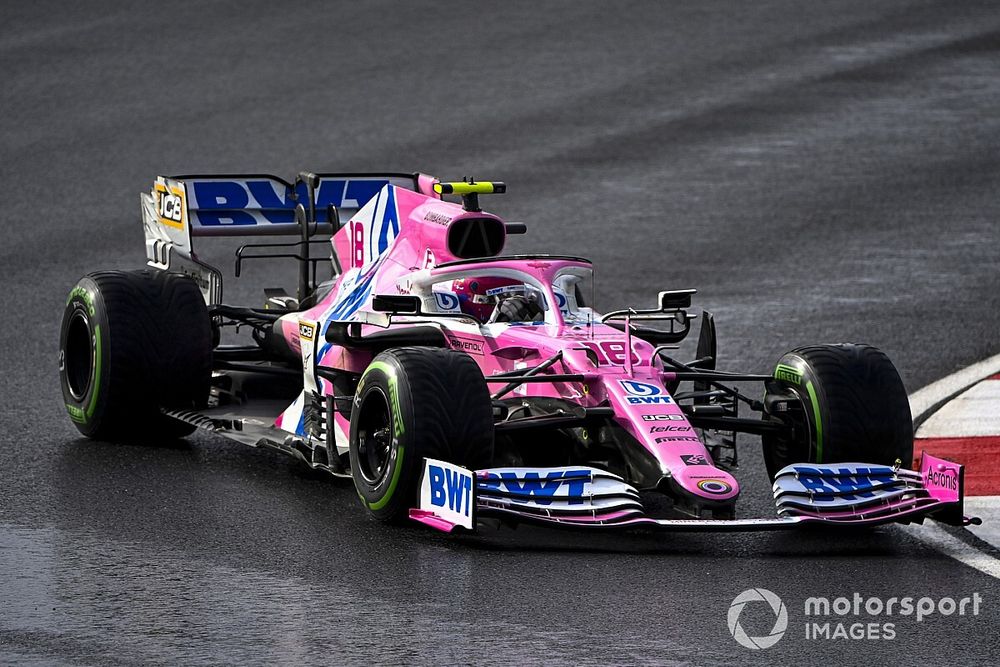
(478, 297)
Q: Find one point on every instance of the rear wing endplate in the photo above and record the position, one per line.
(179, 208)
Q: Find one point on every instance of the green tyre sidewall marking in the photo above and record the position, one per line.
(812, 397)
(399, 459)
(84, 416)
(795, 374)
(86, 412)
(813, 400)
(787, 373)
(393, 483)
(811, 390)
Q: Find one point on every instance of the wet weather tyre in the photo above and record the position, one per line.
(412, 403)
(131, 343)
(845, 402)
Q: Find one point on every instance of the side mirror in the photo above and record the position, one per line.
(676, 299)
(400, 304)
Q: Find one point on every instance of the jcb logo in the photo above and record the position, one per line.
(170, 205)
(662, 418)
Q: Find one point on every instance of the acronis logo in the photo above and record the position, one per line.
(532, 486)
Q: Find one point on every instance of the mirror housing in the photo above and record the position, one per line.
(676, 299)
(399, 304)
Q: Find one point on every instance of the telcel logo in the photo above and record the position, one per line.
(643, 393)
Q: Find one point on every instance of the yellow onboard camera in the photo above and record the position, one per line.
(470, 191)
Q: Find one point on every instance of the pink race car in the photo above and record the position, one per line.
(456, 385)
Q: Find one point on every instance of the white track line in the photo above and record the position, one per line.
(971, 414)
(924, 399)
(934, 535)
(920, 402)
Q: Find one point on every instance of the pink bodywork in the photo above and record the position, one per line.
(395, 245)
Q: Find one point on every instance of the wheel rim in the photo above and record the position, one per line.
(374, 436)
(800, 448)
(79, 355)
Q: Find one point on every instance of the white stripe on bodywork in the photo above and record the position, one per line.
(342, 440)
(292, 414)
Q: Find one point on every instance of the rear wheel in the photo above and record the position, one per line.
(132, 342)
(412, 403)
(845, 403)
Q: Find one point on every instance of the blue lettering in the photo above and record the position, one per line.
(274, 208)
(456, 489)
(436, 474)
(576, 489)
(812, 480)
(648, 400)
(844, 482)
(491, 482)
(532, 485)
(224, 195)
(329, 192)
(229, 203)
(852, 484)
(640, 388)
(467, 483)
(390, 223)
(360, 192)
(222, 203)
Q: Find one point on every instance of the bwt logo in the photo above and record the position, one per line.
(857, 482)
(642, 393)
(532, 486)
(446, 301)
(222, 202)
(451, 489)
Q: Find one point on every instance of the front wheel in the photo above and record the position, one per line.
(412, 403)
(844, 402)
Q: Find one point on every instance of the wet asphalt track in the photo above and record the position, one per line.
(821, 172)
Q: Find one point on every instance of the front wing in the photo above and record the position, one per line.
(841, 494)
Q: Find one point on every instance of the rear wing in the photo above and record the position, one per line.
(180, 208)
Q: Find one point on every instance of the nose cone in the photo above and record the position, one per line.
(707, 481)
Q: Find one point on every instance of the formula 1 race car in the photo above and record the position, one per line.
(455, 385)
